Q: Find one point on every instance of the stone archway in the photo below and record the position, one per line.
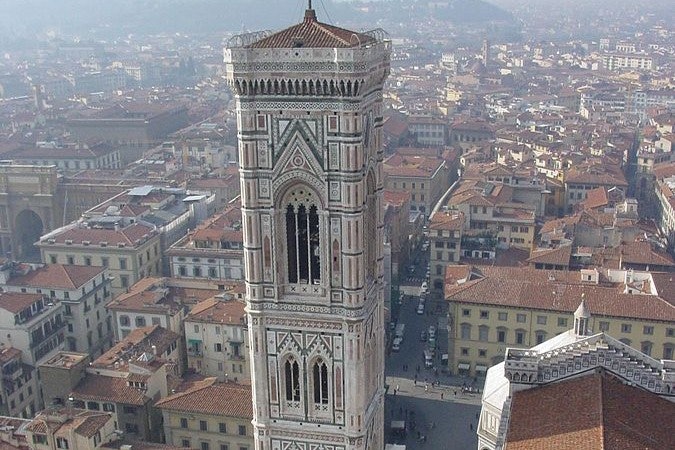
(28, 228)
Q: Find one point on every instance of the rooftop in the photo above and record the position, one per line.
(66, 360)
(137, 346)
(526, 287)
(313, 34)
(215, 310)
(212, 397)
(59, 276)
(15, 302)
(594, 411)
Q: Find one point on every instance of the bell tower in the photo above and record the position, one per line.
(309, 115)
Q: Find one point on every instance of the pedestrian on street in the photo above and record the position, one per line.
(394, 391)
(415, 381)
(471, 426)
(441, 396)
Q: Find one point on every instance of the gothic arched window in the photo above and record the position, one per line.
(292, 376)
(302, 239)
(320, 382)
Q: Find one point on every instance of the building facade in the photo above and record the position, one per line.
(209, 415)
(216, 338)
(309, 110)
(83, 291)
(573, 355)
(498, 307)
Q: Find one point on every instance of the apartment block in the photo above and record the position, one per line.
(129, 249)
(209, 414)
(19, 389)
(32, 323)
(213, 251)
(83, 292)
(445, 244)
(217, 339)
(424, 175)
(493, 308)
(157, 301)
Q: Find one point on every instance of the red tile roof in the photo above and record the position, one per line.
(558, 256)
(213, 310)
(57, 276)
(108, 389)
(312, 34)
(95, 236)
(212, 397)
(16, 302)
(526, 287)
(446, 221)
(592, 412)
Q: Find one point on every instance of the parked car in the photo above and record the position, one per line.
(420, 309)
(396, 345)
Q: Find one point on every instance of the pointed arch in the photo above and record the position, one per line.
(320, 381)
(292, 379)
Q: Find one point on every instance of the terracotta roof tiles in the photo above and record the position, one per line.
(57, 276)
(313, 34)
(592, 412)
(109, 389)
(526, 287)
(16, 302)
(213, 398)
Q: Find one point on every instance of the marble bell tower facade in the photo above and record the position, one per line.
(309, 115)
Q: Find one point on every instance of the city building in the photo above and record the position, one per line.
(156, 301)
(82, 291)
(125, 381)
(132, 126)
(217, 338)
(398, 229)
(214, 250)
(69, 157)
(209, 414)
(428, 131)
(492, 308)
(32, 323)
(625, 61)
(309, 106)
(13, 433)
(577, 388)
(129, 249)
(173, 211)
(70, 428)
(445, 244)
(426, 176)
(665, 220)
(492, 219)
(19, 393)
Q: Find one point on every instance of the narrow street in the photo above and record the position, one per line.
(437, 414)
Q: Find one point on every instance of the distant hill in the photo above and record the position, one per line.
(114, 18)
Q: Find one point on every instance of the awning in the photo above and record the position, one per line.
(481, 368)
(463, 366)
